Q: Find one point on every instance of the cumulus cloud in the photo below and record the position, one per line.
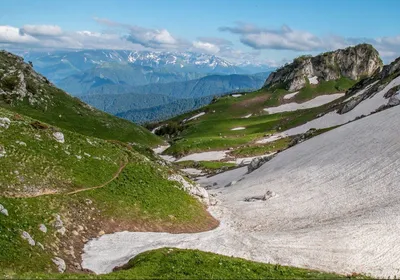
(206, 47)
(41, 30)
(12, 35)
(284, 38)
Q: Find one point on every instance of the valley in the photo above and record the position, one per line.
(297, 179)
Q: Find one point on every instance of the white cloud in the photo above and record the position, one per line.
(11, 35)
(281, 39)
(41, 30)
(206, 47)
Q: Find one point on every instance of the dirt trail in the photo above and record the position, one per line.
(52, 192)
(121, 168)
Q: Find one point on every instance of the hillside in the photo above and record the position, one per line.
(70, 173)
(237, 124)
(156, 102)
(24, 91)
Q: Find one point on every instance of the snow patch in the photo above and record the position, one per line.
(196, 116)
(205, 156)
(239, 128)
(313, 80)
(290, 95)
(316, 102)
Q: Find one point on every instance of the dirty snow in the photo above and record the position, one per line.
(160, 149)
(205, 156)
(290, 95)
(272, 138)
(192, 171)
(239, 128)
(335, 209)
(313, 80)
(316, 102)
(247, 160)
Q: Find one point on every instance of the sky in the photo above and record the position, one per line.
(259, 31)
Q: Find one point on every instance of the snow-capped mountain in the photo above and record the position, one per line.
(60, 64)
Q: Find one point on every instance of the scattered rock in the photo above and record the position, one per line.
(60, 263)
(5, 123)
(2, 151)
(42, 228)
(59, 136)
(74, 232)
(264, 197)
(28, 237)
(302, 137)
(101, 233)
(40, 245)
(194, 190)
(78, 157)
(21, 143)
(3, 210)
(258, 162)
(59, 225)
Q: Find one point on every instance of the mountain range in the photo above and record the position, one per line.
(105, 79)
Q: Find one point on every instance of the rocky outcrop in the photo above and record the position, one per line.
(258, 162)
(353, 63)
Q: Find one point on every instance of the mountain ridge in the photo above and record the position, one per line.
(353, 63)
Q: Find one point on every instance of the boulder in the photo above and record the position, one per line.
(5, 123)
(42, 228)
(28, 237)
(350, 105)
(258, 162)
(60, 263)
(59, 136)
(3, 210)
(394, 101)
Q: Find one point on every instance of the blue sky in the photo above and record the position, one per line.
(257, 30)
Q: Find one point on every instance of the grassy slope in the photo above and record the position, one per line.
(64, 110)
(212, 131)
(140, 198)
(171, 263)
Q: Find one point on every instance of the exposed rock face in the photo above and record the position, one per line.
(258, 162)
(353, 62)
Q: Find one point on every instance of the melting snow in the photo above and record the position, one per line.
(290, 95)
(313, 80)
(316, 102)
